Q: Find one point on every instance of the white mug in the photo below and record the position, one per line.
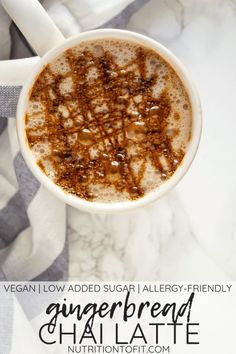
(48, 42)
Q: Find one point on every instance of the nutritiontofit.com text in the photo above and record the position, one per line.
(121, 349)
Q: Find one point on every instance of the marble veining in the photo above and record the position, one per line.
(190, 234)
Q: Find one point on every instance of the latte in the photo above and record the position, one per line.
(108, 120)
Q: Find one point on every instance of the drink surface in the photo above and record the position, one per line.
(108, 120)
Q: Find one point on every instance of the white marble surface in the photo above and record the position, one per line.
(190, 234)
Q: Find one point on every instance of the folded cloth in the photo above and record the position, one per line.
(5, 43)
(33, 227)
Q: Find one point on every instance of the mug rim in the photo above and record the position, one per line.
(111, 207)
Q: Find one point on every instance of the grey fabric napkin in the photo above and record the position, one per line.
(33, 233)
(33, 230)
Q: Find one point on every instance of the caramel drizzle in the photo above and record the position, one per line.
(116, 87)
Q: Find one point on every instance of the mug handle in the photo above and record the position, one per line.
(34, 22)
(15, 72)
